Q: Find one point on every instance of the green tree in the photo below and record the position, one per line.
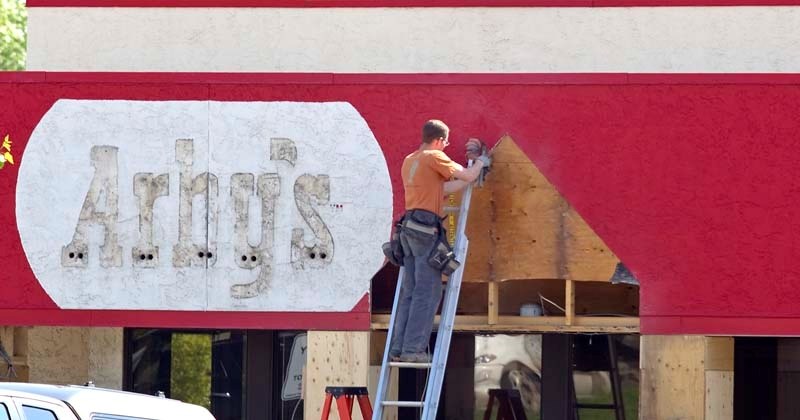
(190, 377)
(12, 34)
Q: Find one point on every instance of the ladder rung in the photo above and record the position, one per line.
(411, 365)
(404, 403)
(450, 209)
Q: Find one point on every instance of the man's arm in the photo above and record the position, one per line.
(470, 174)
(455, 185)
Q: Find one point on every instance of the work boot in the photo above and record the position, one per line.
(415, 357)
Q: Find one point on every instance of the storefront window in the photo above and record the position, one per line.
(291, 359)
(237, 375)
(203, 368)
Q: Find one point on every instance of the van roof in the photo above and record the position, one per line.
(88, 400)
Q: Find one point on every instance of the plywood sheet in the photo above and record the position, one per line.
(335, 358)
(521, 227)
(591, 298)
(377, 346)
(672, 377)
(719, 395)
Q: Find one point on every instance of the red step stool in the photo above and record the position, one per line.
(345, 396)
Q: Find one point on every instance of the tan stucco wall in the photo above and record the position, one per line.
(60, 355)
(671, 39)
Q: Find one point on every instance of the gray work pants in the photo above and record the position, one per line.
(420, 293)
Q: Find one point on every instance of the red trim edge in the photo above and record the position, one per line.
(328, 321)
(723, 326)
(405, 3)
(405, 78)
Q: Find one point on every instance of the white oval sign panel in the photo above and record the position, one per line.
(199, 205)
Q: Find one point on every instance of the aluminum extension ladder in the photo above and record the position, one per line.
(433, 386)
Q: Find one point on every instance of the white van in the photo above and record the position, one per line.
(22, 401)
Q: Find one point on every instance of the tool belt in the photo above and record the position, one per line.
(393, 250)
(441, 258)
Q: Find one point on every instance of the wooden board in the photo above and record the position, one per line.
(335, 358)
(377, 345)
(719, 353)
(590, 297)
(672, 377)
(521, 227)
(542, 324)
(719, 395)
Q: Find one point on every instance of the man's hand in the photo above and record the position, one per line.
(477, 151)
(474, 148)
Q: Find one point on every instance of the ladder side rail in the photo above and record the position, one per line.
(443, 338)
(383, 379)
(447, 319)
(619, 403)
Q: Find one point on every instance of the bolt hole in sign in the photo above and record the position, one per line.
(203, 205)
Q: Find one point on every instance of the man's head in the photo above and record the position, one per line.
(435, 133)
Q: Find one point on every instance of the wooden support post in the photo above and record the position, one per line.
(556, 395)
(458, 395)
(494, 302)
(686, 377)
(719, 378)
(569, 299)
(334, 358)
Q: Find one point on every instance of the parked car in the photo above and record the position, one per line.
(509, 362)
(23, 401)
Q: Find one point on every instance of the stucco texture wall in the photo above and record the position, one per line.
(673, 39)
(60, 355)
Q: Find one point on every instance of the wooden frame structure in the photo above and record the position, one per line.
(523, 230)
(569, 323)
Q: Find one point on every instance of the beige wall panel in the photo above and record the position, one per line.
(335, 358)
(105, 357)
(672, 383)
(676, 39)
(58, 355)
(719, 395)
(21, 341)
(69, 355)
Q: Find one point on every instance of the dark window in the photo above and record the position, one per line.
(203, 368)
(237, 375)
(36, 413)
(755, 367)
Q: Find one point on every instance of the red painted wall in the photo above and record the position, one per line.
(692, 180)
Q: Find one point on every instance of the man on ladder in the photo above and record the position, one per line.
(428, 175)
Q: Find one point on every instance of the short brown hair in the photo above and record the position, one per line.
(433, 129)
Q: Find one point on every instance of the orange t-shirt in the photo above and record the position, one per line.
(424, 174)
